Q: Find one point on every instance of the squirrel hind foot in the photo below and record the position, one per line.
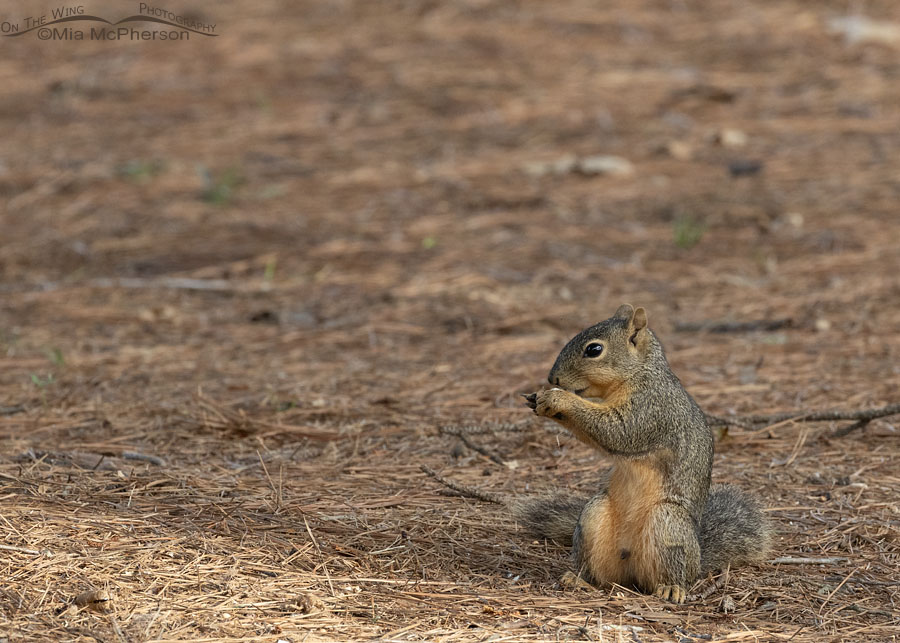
(673, 593)
(571, 581)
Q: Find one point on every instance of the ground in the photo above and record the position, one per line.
(245, 280)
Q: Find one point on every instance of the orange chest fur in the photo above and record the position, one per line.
(635, 489)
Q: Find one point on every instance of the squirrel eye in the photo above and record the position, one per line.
(593, 350)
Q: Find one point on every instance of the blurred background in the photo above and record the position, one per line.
(337, 225)
(388, 177)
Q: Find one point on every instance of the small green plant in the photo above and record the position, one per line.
(55, 355)
(219, 190)
(286, 406)
(272, 192)
(269, 273)
(263, 102)
(42, 382)
(141, 170)
(429, 242)
(688, 231)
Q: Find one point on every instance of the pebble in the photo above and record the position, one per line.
(856, 29)
(588, 165)
(744, 167)
(614, 165)
(729, 137)
(679, 150)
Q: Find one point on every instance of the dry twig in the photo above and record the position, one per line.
(734, 327)
(464, 437)
(708, 588)
(755, 422)
(789, 560)
(23, 550)
(469, 492)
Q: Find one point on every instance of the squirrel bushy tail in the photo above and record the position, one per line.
(733, 530)
(551, 517)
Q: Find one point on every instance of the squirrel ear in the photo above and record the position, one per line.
(640, 336)
(625, 311)
(640, 319)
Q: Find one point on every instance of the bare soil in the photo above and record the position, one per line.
(245, 280)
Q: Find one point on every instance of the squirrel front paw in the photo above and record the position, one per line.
(551, 403)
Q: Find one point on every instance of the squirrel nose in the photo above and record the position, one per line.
(553, 380)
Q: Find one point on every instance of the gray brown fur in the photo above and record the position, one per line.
(734, 531)
(552, 517)
(656, 505)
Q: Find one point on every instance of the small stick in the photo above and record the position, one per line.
(720, 420)
(117, 629)
(176, 283)
(823, 416)
(152, 459)
(469, 492)
(864, 581)
(692, 635)
(4, 476)
(493, 457)
(275, 493)
(716, 584)
(734, 327)
(862, 610)
(22, 550)
(850, 428)
(862, 417)
(490, 427)
(788, 560)
(319, 551)
(834, 591)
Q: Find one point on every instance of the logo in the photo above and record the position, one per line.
(65, 23)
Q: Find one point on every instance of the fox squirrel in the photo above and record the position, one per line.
(655, 524)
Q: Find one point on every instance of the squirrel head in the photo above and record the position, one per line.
(599, 359)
